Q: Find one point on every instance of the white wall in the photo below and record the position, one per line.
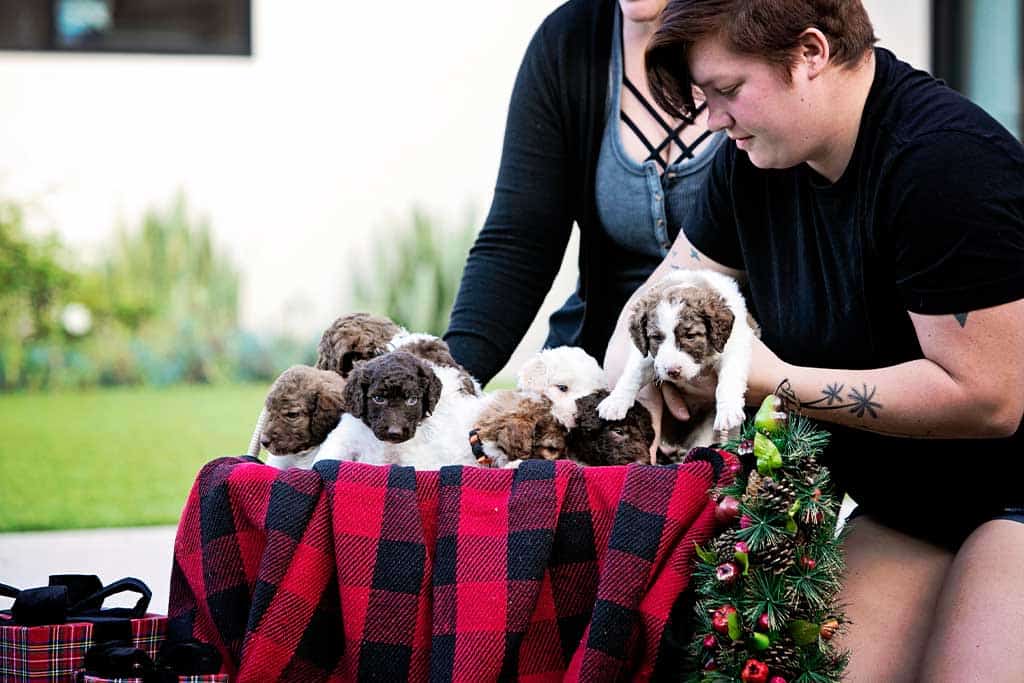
(347, 115)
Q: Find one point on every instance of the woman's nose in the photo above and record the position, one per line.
(718, 119)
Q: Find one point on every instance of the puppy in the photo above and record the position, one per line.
(352, 338)
(400, 410)
(435, 351)
(563, 375)
(596, 441)
(515, 426)
(688, 325)
(304, 404)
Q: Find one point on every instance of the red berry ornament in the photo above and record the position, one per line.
(745, 522)
(808, 563)
(741, 547)
(710, 642)
(711, 665)
(777, 679)
(727, 511)
(720, 618)
(754, 671)
(763, 623)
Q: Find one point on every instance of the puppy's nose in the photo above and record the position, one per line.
(265, 441)
(395, 432)
(674, 373)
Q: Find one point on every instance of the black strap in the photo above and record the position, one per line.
(92, 605)
(53, 604)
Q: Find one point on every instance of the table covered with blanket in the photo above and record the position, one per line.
(359, 572)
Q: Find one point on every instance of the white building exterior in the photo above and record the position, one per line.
(346, 116)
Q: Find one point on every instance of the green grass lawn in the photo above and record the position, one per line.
(117, 457)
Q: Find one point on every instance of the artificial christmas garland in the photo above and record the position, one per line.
(767, 584)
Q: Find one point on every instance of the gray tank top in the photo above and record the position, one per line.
(640, 208)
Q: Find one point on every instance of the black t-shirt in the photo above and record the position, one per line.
(928, 218)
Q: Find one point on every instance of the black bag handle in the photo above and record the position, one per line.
(92, 604)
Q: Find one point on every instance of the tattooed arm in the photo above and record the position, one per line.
(969, 385)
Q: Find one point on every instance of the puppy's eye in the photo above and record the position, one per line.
(379, 400)
(564, 388)
(411, 401)
(656, 336)
(617, 431)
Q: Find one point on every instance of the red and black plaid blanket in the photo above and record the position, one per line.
(363, 572)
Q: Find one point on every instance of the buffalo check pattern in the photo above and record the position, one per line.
(360, 572)
(53, 654)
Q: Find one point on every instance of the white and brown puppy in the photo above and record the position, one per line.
(562, 374)
(688, 325)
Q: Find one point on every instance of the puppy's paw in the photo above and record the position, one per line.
(728, 415)
(614, 407)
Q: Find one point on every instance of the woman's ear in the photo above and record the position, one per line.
(814, 52)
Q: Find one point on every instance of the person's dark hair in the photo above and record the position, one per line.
(768, 29)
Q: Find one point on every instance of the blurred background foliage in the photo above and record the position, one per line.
(413, 279)
(160, 306)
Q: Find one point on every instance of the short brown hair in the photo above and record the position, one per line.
(769, 29)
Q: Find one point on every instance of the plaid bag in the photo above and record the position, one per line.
(208, 678)
(357, 572)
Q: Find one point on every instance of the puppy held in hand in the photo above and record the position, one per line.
(690, 324)
(596, 441)
(562, 374)
(303, 406)
(514, 427)
(400, 410)
(352, 338)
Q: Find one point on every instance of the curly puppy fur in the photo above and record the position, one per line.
(563, 374)
(515, 426)
(304, 404)
(595, 441)
(392, 394)
(436, 352)
(689, 324)
(402, 411)
(352, 338)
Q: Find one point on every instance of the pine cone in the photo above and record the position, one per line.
(778, 558)
(776, 496)
(723, 545)
(781, 656)
(754, 484)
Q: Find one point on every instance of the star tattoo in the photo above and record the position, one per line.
(863, 403)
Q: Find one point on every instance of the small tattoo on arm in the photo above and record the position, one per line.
(961, 318)
(694, 255)
(858, 401)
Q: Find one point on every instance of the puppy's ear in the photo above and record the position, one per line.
(533, 375)
(587, 419)
(431, 390)
(641, 417)
(515, 438)
(718, 319)
(638, 325)
(353, 398)
(327, 411)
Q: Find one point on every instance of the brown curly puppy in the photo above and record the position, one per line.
(515, 426)
(595, 441)
(392, 394)
(352, 338)
(435, 351)
(303, 406)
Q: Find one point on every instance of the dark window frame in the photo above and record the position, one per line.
(52, 46)
(948, 48)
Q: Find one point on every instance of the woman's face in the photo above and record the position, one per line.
(771, 120)
(642, 10)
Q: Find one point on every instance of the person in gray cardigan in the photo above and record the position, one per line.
(584, 144)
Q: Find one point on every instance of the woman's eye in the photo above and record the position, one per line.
(411, 401)
(562, 387)
(379, 400)
(728, 92)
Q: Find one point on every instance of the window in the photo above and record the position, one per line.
(213, 27)
(977, 49)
